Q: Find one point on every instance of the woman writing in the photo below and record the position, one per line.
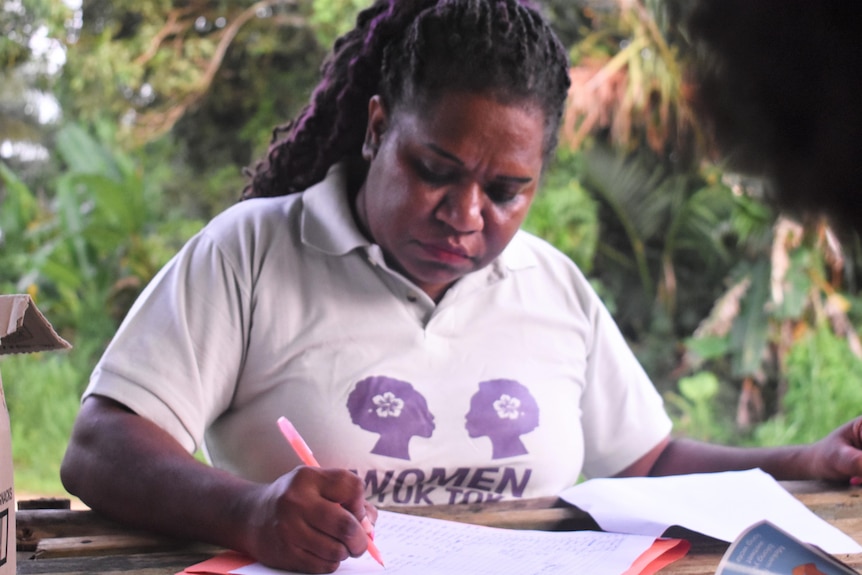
(374, 278)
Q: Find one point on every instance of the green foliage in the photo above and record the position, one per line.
(43, 394)
(778, 329)
(21, 210)
(19, 205)
(564, 213)
(694, 408)
(84, 254)
(752, 221)
(749, 333)
(707, 347)
(737, 330)
(798, 284)
(20, 21)
(147, 66)
(686, 249)
(663, 249)
(106, 234)
(824, 390)
(332, 18)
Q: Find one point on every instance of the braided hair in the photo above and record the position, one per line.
(410, 52)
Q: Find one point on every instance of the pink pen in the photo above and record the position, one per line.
(304, 452)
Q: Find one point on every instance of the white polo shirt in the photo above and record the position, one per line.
(511, 386)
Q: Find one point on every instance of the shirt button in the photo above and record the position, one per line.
(411, 298)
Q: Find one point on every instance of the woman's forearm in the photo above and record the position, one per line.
(127, 468)
(689, 456)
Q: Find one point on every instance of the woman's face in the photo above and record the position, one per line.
(448, 186)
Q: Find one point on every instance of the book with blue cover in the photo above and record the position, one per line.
(766, 549)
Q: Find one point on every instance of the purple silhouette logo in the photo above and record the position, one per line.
(393, 409)
(503, 409)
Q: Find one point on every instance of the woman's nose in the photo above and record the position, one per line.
(461, 208)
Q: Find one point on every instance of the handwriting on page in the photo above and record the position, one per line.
(422, 546)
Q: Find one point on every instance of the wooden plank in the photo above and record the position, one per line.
(827, 500)
(130, 543)
(45, 503)
(834, 503)
(138, 564)
(84, 542)
(34, 525)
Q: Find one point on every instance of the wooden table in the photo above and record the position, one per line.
(58, 541)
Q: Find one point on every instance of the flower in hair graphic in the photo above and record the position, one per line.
(503, 410)
(392, 408)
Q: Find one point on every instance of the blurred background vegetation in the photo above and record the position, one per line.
(126, 125)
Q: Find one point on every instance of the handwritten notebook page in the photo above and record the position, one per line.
(426, 546)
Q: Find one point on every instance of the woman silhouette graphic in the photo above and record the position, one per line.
(393, 409)
(503, 409)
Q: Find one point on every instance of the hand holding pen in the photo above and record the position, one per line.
(304, 452)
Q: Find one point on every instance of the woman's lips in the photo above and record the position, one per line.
(446, 252)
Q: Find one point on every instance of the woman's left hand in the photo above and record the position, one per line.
(838, 456)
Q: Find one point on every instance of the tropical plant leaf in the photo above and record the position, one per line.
(750, 332)
(83, 154)
(19, 204)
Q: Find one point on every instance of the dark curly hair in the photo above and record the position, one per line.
(779, 84)
(409, 52)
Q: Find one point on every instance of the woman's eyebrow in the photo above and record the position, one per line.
(515, 179)
(441, 152)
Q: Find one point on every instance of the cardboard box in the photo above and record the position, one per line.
(23, 329)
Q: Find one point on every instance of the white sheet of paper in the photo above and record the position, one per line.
(720, 505)
(423, 546)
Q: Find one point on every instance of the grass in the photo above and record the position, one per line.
(42, 395)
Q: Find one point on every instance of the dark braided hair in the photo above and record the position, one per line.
(410, 52)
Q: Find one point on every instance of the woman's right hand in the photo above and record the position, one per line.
(307, 520)
(130, 470)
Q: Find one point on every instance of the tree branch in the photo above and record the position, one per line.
(172, 26)
(157, 123)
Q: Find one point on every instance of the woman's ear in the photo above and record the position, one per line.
(378, 119)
